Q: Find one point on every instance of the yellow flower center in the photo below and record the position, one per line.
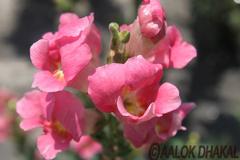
(59, 128)
(132, 103)
(162, 127)
(58, 73)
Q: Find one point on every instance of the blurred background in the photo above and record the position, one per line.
(212, 80)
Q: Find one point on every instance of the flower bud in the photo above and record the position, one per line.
(119, 39)
(152, 19)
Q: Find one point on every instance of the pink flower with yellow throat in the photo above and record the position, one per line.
(132, 90)
(59, 114)
(158, 129)
(66, 57)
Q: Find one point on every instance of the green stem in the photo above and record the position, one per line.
(112, 139)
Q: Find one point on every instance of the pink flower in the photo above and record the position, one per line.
(150, 37)
(157, 130)
(60, 114)
(87, 147)
(132, 90)
(66, 57)
(6, 118)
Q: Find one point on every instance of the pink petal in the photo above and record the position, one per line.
(49, 36)
(167, 99)
(94, 40)
(146, 1)
(50, 145)
(30, 105)
(72, 27)
(139, 72)
(161, 52)
(138, 134)
(74, 58)
(181, 52)
(105, 86)
(34, 107)
(171, 122)
(184, 109)
(132, 133)
(80, 82)
(137, 45)
(148, 93)
(69, 111)
(87, 147)
(30, 123)
(169, 125)
(174, 35)
(39, 54)
(127, 117)
(67, 18)
(48, 104)
(45, 81)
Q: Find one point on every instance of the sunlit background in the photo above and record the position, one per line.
(212, 80)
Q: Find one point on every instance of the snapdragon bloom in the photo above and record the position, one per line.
(87, 147)
(158, 129)
(59, 114)
(132, 90)
(66, 57)
(6, 118)
(152, 38)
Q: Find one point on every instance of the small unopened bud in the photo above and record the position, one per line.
(114, 28)
(119, 39)
(124, 36)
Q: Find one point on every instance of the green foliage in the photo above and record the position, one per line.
(110, 134)
(65, 5)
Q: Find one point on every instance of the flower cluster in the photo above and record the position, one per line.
(128, 86)
(63, 59)
(150, 111)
